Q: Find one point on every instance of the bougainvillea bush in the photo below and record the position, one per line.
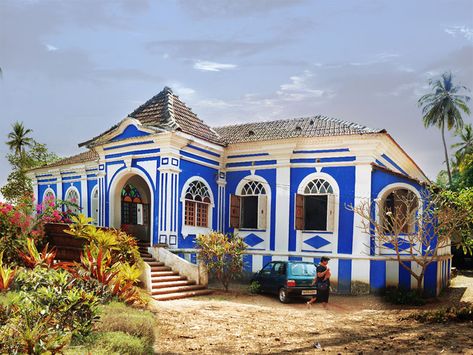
(23, 221)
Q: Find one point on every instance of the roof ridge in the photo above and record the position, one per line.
(169, 108)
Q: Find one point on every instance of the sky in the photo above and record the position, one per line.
(72, 69)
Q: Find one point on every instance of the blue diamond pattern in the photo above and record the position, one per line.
(252, 239)
(317, 242)
(402, 245)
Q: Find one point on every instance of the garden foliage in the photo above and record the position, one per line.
(222, 255)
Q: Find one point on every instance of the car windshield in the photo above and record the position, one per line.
(303, 269)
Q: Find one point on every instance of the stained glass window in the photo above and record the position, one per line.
(130, 194)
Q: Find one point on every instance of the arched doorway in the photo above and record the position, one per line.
(133, 207)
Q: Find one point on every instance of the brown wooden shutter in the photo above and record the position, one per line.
(234, 211)
(300, 223)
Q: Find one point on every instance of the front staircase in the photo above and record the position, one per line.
(167, 284)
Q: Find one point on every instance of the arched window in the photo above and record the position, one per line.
(72, 196)
(48, 196)
(196, 207)
(315, 206)
(95, 205)
(248, 208)
(399, 208)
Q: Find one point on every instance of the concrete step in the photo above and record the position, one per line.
(167, 278)
(175, 289)
(155, 263)
(148, 259)
(179, 295)
(159, 285)
(160, 268)
(164, 273)
(146, 255)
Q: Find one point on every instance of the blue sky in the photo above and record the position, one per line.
(74, 68)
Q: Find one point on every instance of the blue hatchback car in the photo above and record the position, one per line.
(287, 279)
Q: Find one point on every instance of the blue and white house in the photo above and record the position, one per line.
(283, 186)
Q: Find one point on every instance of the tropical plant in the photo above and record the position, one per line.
(443, 108)
(222, 255)
(18, 138)
(34, 258)
(52, 307)
(466, 137)
(7, 275)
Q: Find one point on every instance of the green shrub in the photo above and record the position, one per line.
(48, 310)
(122, 343)
(222, 255)
(120, 318)
(403, 297)
(254, 287)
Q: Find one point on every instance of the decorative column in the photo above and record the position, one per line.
(283, 182)
(221, 182)
(361, 240)
(101, 186)
(84, 193)
(168, 200)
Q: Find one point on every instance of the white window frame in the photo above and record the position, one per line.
(78, 202)
(333, 200)
(94, 214)
(264, 202)
(382, 195)
(195, 230)
(46, 192)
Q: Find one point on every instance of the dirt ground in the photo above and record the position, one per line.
(258, 324)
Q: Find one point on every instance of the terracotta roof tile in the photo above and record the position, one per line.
(83, 157)
(317, 126)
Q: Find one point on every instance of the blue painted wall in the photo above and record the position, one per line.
(130, 131)
(233, 179)
(188, 170)
(345, 178)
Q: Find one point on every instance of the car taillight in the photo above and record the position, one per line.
(291, 283)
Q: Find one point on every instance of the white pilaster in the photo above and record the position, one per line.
(361, 240)
(84, 193)
(283, 182)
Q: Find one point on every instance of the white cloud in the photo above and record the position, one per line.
(51, 48)
(460, 30)
(212, 66)
(299, 88)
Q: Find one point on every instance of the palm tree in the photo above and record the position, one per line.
(19, 138)
(443, 107)
(466, 144)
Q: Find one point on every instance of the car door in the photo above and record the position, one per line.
(264, 277)
(278, 276)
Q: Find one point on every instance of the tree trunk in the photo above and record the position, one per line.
(446, 155)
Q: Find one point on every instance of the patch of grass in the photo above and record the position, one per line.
(116, 317)
(404, 297)
(121, 330)
(450, 314)
(108, 343)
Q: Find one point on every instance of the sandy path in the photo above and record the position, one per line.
(247, 324)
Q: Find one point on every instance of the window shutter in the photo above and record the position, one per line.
(262, 211)
(234, 211)
(330, 212)
(299, 223)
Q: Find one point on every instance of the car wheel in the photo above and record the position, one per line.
(283, 295)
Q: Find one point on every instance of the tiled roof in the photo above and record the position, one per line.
(317, 126)
(167, 111)
(89, 155)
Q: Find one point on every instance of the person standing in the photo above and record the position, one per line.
(322, 283)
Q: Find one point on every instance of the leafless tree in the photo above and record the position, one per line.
(419, 228)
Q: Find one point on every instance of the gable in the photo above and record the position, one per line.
(129, 132)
